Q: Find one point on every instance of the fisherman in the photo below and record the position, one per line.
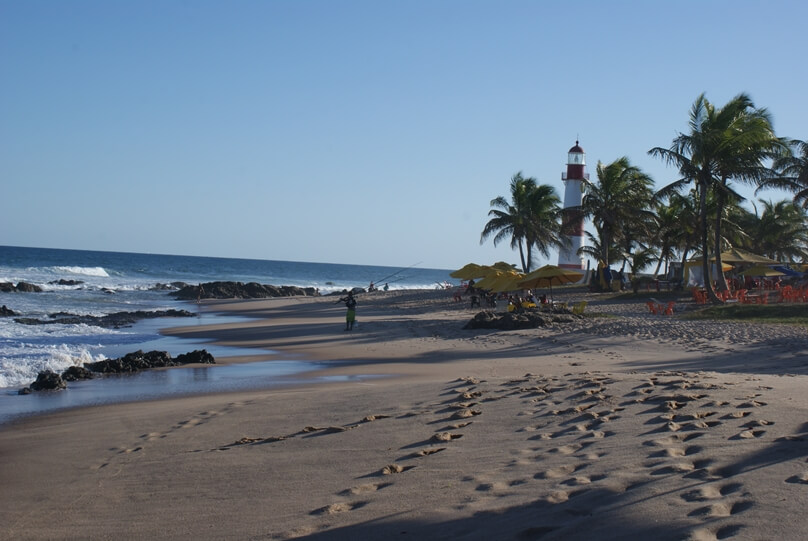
(350, 315)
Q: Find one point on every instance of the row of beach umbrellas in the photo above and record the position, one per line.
(501, 277)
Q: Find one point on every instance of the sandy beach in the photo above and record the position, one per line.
(626, 426)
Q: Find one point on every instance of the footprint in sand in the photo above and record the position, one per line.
(364, 489)
(749, 434)
(711, 492)
(801, 478)
(446, 436)
(556, 473)
(465, 413)
(391, 469)
(722, 509)
(336, 508)
(432, 451)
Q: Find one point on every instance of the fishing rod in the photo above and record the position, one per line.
(386, 278)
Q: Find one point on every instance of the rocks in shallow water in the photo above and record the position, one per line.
(131, 362)
(63, 282)
(76, 373)
(114, 321)
(198, 356)
(516, 320)
(6, 312)
(239, 290)
(24, 287)
(173, 286)
(138, 360)
(48, 380)
(128, 364)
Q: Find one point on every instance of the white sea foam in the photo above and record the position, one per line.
(20, 364)
(84, 271)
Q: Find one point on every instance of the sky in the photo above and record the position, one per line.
(364, 132)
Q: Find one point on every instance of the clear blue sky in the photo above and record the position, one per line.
(365, 132)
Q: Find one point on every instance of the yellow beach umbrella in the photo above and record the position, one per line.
(468, 272)
(549, 275)
(508, 281)
(502, 266)
(489, 280)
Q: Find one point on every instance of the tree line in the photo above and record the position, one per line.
(699, 213)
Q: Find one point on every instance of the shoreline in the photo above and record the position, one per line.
(609, 428)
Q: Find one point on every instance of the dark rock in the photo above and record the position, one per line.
(25, 390)
(48, 380)
(114, 321)
(6, 312)
(76, 373)
(239, 290)
(132, 362)
(198, 356)
(63, 282)
(25, 287)
(517, 320)
(173, 286)
(138, 360)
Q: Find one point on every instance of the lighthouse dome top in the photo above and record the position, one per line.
(576, 149)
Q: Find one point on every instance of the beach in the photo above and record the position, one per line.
(625, 426)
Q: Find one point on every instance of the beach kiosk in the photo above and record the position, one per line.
(572, 220)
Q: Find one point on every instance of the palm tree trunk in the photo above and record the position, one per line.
(722, 281)
(705, 252)
(522, 257)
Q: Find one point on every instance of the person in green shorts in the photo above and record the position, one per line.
(350, 316)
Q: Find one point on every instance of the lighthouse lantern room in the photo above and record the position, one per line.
(572, 221)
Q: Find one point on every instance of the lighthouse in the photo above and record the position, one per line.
(572, 221)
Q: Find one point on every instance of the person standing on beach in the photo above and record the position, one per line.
(350, 315)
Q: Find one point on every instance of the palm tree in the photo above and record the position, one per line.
(792, 173)
(531, 219)
(544, 212)
(617, 203)
(731, 142)
(779, 231)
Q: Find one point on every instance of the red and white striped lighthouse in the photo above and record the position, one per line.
(572, 218)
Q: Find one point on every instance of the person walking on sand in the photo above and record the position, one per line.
(350, 315)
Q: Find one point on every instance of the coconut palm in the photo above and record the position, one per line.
(778, 231)
(617, 203)
(530, 219)
(792, 173)
(727, 143)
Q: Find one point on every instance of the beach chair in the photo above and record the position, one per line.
(652, 307)
(669, 308)
(578, 308)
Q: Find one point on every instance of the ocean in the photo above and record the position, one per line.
(100, 283)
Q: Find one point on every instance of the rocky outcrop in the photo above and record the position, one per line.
(63, 282)
(6, 312)
(173, 286)
(76, 373)
(199, 356)
(109, 321)
(138, 360)
(48, 380)
(23, 287)
(517, 320)
(239, 290)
